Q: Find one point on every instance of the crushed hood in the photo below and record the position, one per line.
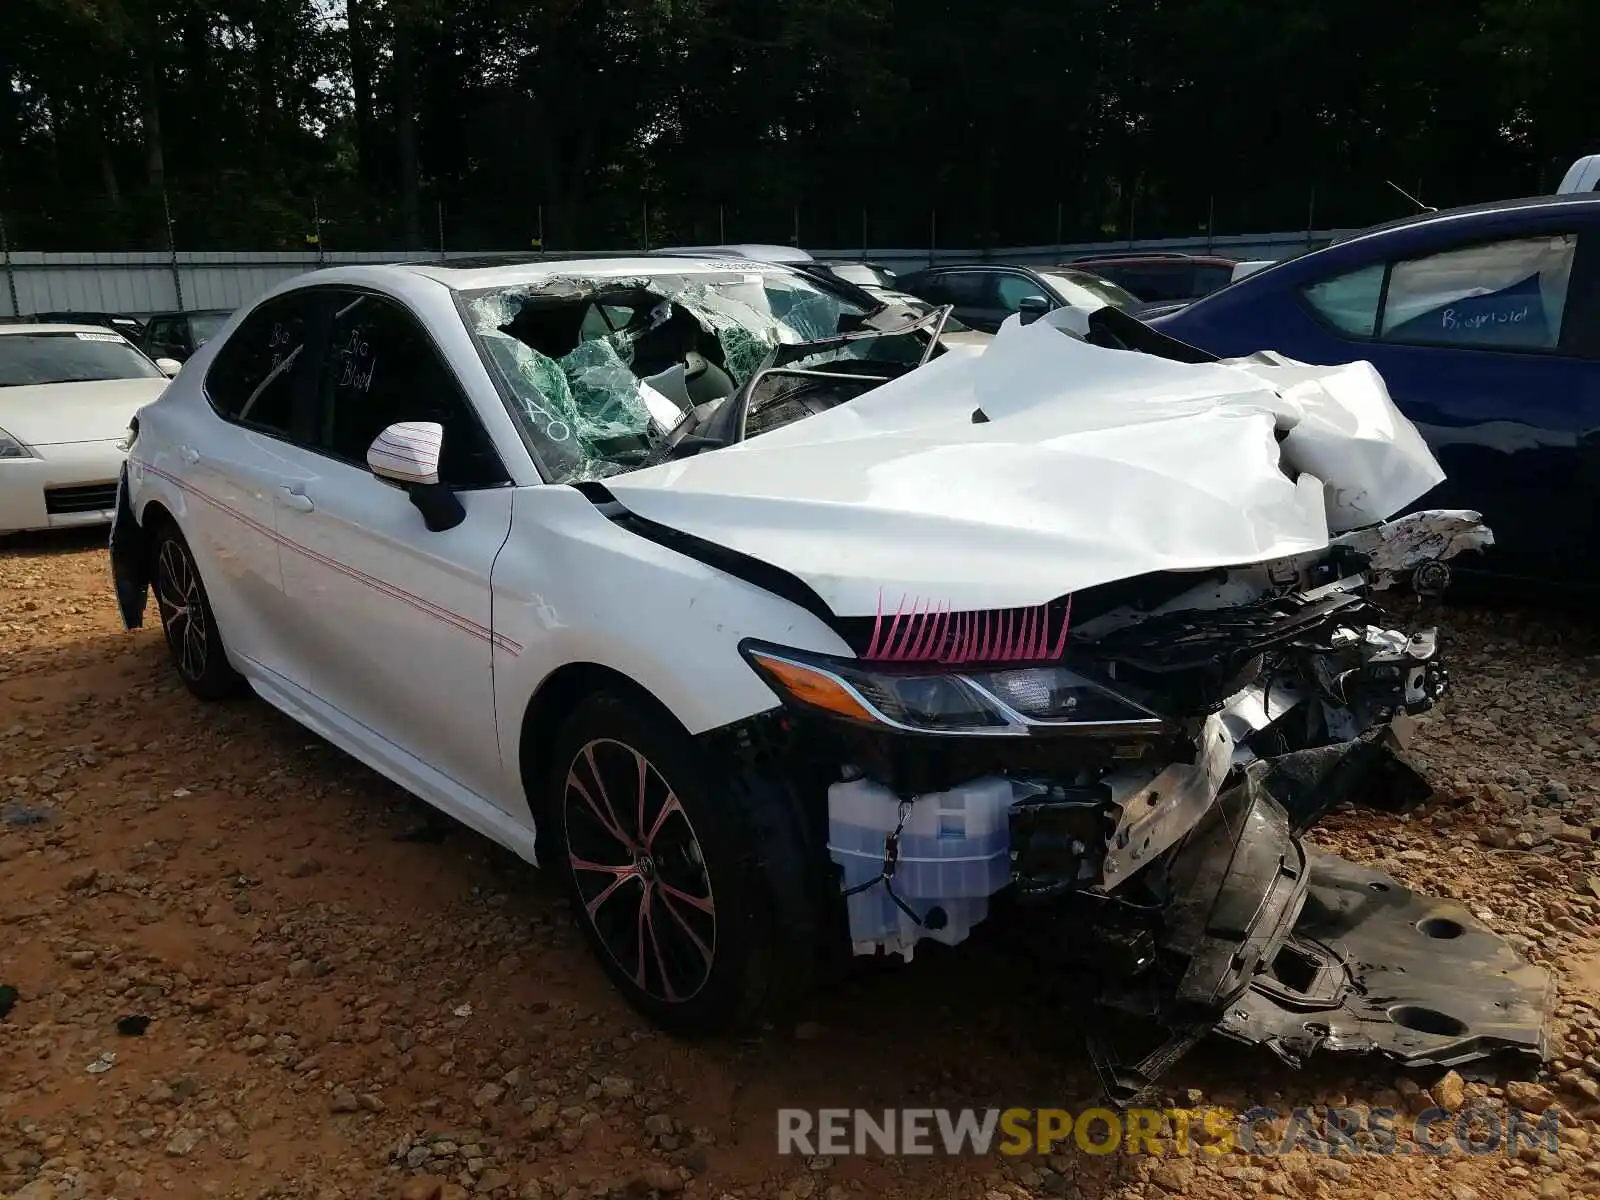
(93, 411)
(1047, 465)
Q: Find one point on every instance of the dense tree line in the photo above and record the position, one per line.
(390, 123)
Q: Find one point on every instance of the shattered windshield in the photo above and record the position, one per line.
(601, 370)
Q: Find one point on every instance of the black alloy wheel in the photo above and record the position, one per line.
(657, 860)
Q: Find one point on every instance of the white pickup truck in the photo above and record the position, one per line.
(1582, 176)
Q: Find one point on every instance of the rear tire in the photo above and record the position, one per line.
(660, 867)
(190, 626)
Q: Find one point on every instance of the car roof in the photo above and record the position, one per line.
(979, 266)
(55, 327)
(1420, 234)
(189, 312)
(1574, 201)
(471, 274)
(1121, 259)
(764, 251)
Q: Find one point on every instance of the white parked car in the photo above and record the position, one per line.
(772, 624)
(67, 394)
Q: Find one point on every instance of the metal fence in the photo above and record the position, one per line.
(148, 250)
(243, 212)
(138, 283)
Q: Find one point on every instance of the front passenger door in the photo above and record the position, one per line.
(971, 290)
(394, 621)
(1011, 288)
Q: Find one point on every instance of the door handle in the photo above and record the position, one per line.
(189, 454)
(295, 499)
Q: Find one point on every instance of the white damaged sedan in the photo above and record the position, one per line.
(774, 623)
(67, 395)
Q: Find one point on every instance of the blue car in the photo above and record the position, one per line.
(1485, 324)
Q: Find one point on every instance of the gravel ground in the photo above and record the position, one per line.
(338, 1009)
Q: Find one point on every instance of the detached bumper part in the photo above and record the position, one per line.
(1302, 950)
(130, 567)
(1238, 885)
(1373, 966)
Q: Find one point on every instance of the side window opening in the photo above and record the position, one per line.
(252, 379)
(930, 287)
(380, 368)
(1012, 290)
(1509, 294)
(1349, 302)
(968, 289)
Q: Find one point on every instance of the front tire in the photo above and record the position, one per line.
(190, 626)
(658, 863)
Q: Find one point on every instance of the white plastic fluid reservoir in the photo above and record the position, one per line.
(955, 852)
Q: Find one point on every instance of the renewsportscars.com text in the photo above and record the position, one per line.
(1013, 1131)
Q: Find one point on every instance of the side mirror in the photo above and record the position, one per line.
(407, 453)
(1032, 308)
(168, 366)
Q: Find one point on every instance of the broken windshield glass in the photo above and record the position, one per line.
(573, 353)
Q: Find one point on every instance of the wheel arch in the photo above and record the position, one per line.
(154, 515)
(554, 700)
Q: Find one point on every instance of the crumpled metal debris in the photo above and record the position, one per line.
(1396, 547)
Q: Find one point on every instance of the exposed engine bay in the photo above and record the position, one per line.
(1148, 827)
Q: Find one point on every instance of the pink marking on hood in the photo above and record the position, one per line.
(931, 631)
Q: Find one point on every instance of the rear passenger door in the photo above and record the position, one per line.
(227, 463)
(393, 621)
(1492, 348)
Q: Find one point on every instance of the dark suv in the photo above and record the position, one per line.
(178, 335)
(1161, 277)
(985, 294)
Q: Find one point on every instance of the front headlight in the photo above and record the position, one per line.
(1009, 701)
(10, 447)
